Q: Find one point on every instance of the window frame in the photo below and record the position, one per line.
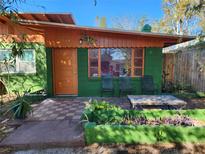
(18, 60)
(133, 67)
(132, 62)
(34, 55)
(99, 62)
(2, 61)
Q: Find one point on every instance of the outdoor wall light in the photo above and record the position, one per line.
(81, 41)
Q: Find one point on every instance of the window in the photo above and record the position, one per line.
(6, 56)
(138, 58)
(118, 62)
(26, 63)
(23, 64)
(93, 63)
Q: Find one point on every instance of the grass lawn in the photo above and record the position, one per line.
(197, 114)
(143, 134)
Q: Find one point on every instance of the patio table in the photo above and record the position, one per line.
(156, 100)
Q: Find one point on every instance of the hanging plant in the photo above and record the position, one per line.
(87, 39)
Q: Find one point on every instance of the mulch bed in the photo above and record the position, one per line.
(125, 149)
(149, 149)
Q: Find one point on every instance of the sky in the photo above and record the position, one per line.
(85, 12)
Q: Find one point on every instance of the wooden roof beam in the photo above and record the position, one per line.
(29, 16)
(49, 18)
(60, 19)
(21, 16)
(35, 17)
(45, 18)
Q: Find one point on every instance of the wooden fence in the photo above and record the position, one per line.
(186, 67)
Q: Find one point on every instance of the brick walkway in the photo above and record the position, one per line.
(57, 109)
(54, 122)
(67, 108)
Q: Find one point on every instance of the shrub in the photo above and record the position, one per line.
(103, 112)
(200, 94)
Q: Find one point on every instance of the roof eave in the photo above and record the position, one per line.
(181, 46)
(32, 22)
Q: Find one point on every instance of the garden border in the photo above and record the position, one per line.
(144, 134)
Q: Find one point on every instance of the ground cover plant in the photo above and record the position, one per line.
(181, 90)
(107, 123)
(107, 113)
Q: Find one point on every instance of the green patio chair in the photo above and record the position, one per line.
(148, 86)
(107, 84)
(125, 85)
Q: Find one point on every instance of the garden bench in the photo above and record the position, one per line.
(164, 101)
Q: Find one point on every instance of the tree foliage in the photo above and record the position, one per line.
(129, 23)
(196, 7)
(101, 22)
(10, 6)
(179, 17)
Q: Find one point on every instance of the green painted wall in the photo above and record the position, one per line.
(37, 81)
(153, 65)
(91, 87)
(49, 71)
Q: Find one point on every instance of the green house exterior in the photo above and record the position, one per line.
(92, 86)
(153, 66)
(43, 78)
(32, 81)
(64, 48)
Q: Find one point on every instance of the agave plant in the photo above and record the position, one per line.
(21, 107)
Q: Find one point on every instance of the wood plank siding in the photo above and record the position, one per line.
(70, 39)
(60, 35)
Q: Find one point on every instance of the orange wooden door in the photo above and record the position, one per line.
(65, 75)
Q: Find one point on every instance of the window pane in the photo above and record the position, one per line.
(93, 60)
(28, 55)
(116, 62)
(138, 72)
(93, 71)
(5, 54)
(138, 62)
(27, 67)
(10, 66)
(93, 53)
(26, 63)
(138, 52)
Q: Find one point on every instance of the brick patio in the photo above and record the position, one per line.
(57, 109)
(68, 108)
(54, 121)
